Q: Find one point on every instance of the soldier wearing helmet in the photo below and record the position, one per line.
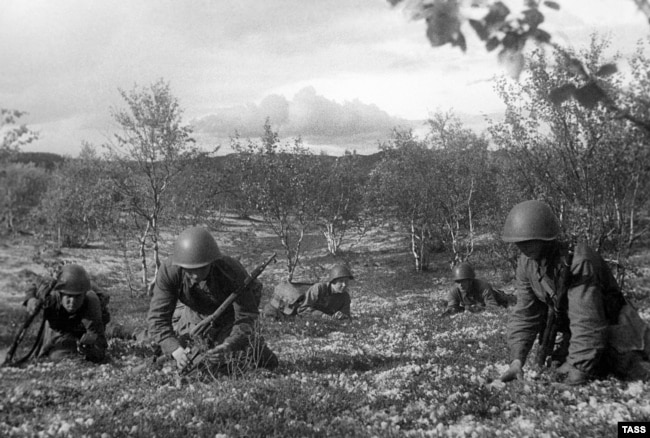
(329, 299)
(74, 324)
(471, 293)
(600, 332)
(201, 278)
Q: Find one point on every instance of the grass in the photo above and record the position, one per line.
(395, 369)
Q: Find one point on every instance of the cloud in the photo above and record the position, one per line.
(309, 115)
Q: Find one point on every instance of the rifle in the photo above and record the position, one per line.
(202, 327)
(555, 303)
(28, 322)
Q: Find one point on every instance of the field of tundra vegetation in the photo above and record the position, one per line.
(577, 140)
(395, 369)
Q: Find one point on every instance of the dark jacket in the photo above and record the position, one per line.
(88, 319)
(319, 301)
(172, 285)
(593, 304)
(480, 293)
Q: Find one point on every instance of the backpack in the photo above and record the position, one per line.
(287, 297)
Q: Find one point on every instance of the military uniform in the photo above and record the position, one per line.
(170, 326)
(604, 333)
(479, 294)
(69, 334)
(319, 301)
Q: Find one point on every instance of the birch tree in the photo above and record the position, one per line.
(153, 147)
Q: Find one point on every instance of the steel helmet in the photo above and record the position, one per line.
(73, 280)
(339, 271)
(194, 248)
(530, 220)
(464, 271)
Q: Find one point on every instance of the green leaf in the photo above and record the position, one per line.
(443, 24)
(589, 95)
(513, 41)
(606, 70)
(552, 5)
(492, 44)
(460, 42)
(575, 67)
(542, 36)
(479, 28)
(533, 17)
(498, 12)
(496, 16)
(562, 93)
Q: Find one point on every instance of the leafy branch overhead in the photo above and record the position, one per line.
(588, 89)
(499, 28)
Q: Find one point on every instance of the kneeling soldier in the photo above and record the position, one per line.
(570, 291)
(73, 315)
(201, 278)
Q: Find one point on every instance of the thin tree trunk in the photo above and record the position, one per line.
(414, 248)
(143, 255)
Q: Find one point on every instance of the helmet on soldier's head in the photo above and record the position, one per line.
(530, 220)
(194, 248)
(339, 271)
(73, 280)
(463, 271)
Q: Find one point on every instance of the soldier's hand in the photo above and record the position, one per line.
(326, 316)
(339, 315)
(217, 353)
(31, 305)
(180, 355)
(85, 344)
(573, 375)
(514, 372)
(88, 339)
(448, 312)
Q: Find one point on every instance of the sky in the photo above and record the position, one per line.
(338, 73)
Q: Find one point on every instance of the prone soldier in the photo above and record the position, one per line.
(329, 299)
(471, 293)
(75, 317)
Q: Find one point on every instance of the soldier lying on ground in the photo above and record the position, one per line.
(573, 291)
(74, 315)
(201, 278)
(329, 299)
(472, 294)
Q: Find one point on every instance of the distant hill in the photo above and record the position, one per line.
(367, 161)
(45, 160)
